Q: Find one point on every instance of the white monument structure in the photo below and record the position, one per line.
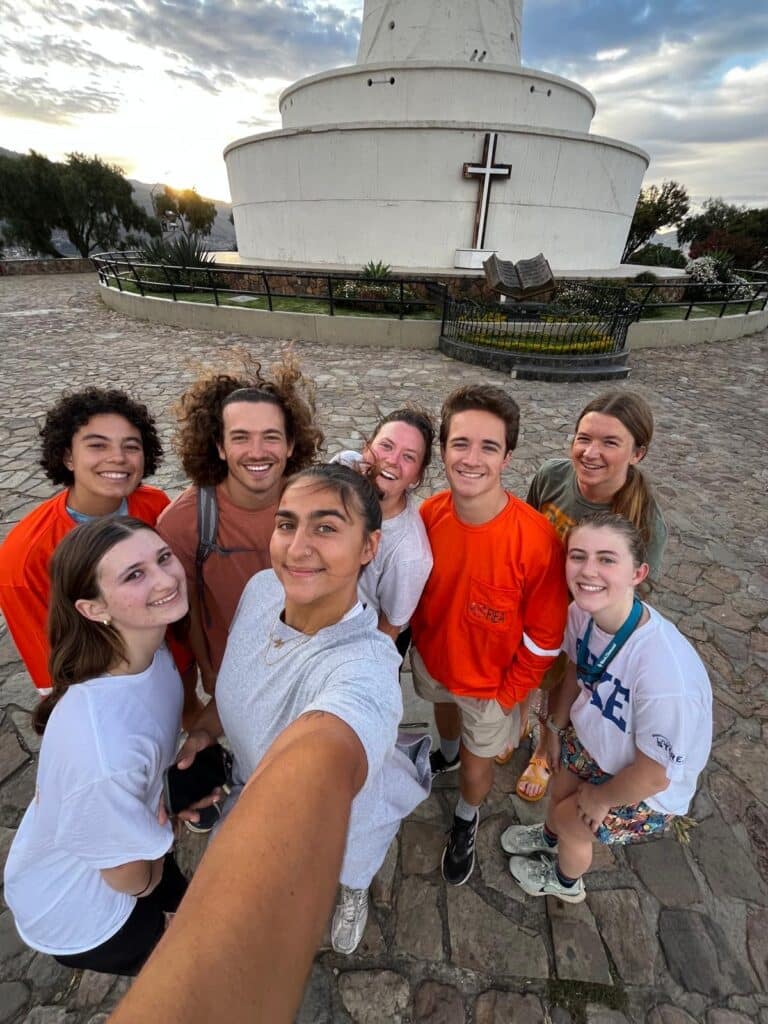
(435, 148)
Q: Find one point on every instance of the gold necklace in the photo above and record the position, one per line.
(278, 643)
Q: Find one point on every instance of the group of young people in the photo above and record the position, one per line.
(293, 586)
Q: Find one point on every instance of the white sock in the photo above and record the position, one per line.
(450, 748)
(466, 811)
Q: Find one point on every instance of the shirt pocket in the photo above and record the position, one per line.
(492, 609)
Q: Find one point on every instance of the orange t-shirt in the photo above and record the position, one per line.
(492, 616)
(24, 580)
(245, 532)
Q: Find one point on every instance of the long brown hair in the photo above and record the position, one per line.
(634, 500)
(80, 648)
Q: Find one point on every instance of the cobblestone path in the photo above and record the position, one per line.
(670, 934)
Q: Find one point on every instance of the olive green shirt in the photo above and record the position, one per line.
(555, 494)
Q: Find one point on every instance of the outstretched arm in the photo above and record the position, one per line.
(272, 886)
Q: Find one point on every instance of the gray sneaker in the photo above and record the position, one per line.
(523, 840)
(349, 920)
(537, 877)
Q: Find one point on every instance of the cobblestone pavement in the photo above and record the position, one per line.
(670, 934)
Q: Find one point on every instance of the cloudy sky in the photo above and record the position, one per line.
(161, 86)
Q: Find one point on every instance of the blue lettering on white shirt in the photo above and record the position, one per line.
(616, 700)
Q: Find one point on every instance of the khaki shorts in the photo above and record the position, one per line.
(485, 730)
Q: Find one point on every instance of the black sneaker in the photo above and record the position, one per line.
(439, 764)
(459, 853)
(208, 818)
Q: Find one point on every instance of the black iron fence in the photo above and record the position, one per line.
(684, 299)
(579, 321)
(274, 290)
(583, 316)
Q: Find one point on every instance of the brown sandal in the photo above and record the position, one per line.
(536, 774)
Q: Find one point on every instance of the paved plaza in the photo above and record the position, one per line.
(670, 933)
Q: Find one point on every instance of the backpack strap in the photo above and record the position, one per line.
(207, 525)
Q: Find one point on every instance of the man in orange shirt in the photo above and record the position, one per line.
(492, 615)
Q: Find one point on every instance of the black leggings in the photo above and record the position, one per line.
(403, 641)
(128, 948)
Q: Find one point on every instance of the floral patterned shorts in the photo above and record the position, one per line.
(629, 823)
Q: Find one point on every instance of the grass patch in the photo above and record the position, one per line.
(286, 304)
(678, 312)
(573, 996)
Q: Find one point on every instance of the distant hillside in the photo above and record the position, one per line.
(666, 238)
(221, 238)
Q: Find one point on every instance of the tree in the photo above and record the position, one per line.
(721, 227)
(186, 210)
(656, 255)
(30, 201)
(97, 204)
(85, 197)
(657, 208)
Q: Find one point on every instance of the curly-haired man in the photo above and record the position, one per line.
(98, 444)
(239, 435)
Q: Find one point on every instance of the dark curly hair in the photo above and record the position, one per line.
(75, 409)
(201, 425)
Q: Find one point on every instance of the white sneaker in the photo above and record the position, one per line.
(524, 840)
(537, 877)
(349, 920)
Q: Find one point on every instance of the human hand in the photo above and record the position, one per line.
(552, 745)
(197, 740)
(191, 813)
(593, 808)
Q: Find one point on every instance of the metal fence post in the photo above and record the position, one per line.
(265, 279)
(136, 277)
(213, 285)
(117, 275)
(170, 282)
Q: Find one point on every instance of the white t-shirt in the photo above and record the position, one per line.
(392, 583)
(654, 697)
(271, 675)
(106, 747)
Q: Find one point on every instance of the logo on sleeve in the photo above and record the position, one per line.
(664, 744)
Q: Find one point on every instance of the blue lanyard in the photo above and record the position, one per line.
(592, 674)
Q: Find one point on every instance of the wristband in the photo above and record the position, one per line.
(149, 882)
(554, 727)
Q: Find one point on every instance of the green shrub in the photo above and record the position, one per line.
(376, 271)
(658, 256)
(182, 251)
(708, 276)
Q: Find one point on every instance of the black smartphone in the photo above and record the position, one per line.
(183, 787)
